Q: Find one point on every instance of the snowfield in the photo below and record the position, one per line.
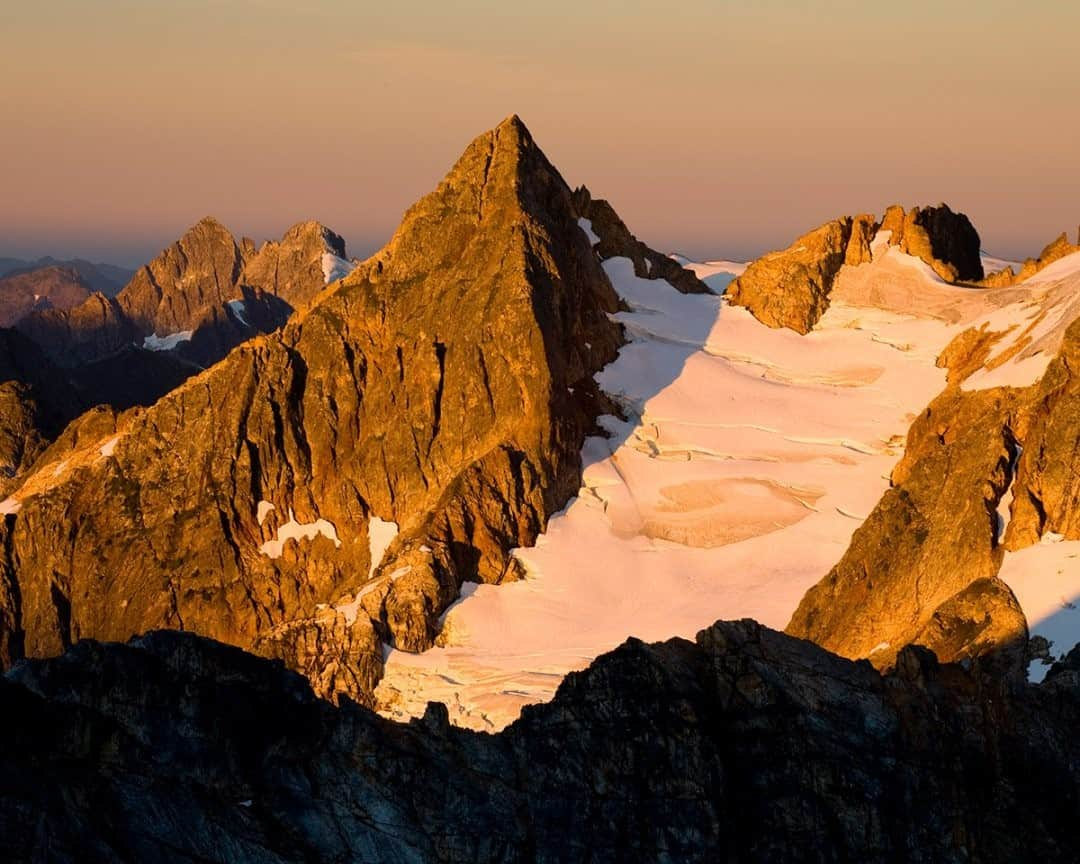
(748, 458)
(153, 342)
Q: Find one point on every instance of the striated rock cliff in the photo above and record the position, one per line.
(744, 745)
(442, 391)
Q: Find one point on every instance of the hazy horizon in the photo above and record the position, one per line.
(715, 129)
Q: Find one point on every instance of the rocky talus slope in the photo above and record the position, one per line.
(743, 745)
(329, 487)
(791, 288)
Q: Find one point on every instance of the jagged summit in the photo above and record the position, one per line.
(330, 486)
(945, 240)
(791, 288)
(200, 297)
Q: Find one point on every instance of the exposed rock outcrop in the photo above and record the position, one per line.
(616, 240)
(932, 535)
(791, 288)
(94, 329)
(1053, 251)
(745, 745)
(922, 568)
(945, 240)
(446, 386)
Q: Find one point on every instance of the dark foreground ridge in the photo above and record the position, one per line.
(747, 745)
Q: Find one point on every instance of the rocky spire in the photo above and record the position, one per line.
(445, 387)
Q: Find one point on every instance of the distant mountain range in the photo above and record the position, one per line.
(106, 278)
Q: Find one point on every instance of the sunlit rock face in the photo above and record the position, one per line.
(445, 386)
(946, 558)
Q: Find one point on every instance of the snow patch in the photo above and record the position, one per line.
(380, 535)
(717, 275)
(153, 342)
(293, 530)
(262, 510)
(10, 506)
(334, 267)
(586, 226)
(239, 311)
(1045, 578)
(109, 446)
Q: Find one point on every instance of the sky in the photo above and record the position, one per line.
(717, 129)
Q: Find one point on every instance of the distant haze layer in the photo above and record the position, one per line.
(716, 128)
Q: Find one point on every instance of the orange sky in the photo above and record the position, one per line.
(715, 128)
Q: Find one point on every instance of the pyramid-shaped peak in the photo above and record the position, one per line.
(208, 226)
(314, 232)
(501, 176)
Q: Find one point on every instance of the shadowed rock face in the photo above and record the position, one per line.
(445, 386)
(36, 400)
(744, 745)
(945, 240)
(616, 240)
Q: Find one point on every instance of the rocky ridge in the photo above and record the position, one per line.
(200, 297)
(791, 288)
(106, 278)
(615, 239)
(945, 240)
(744, 744)
(987, 470)
(327, 488)
(1053, 251)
